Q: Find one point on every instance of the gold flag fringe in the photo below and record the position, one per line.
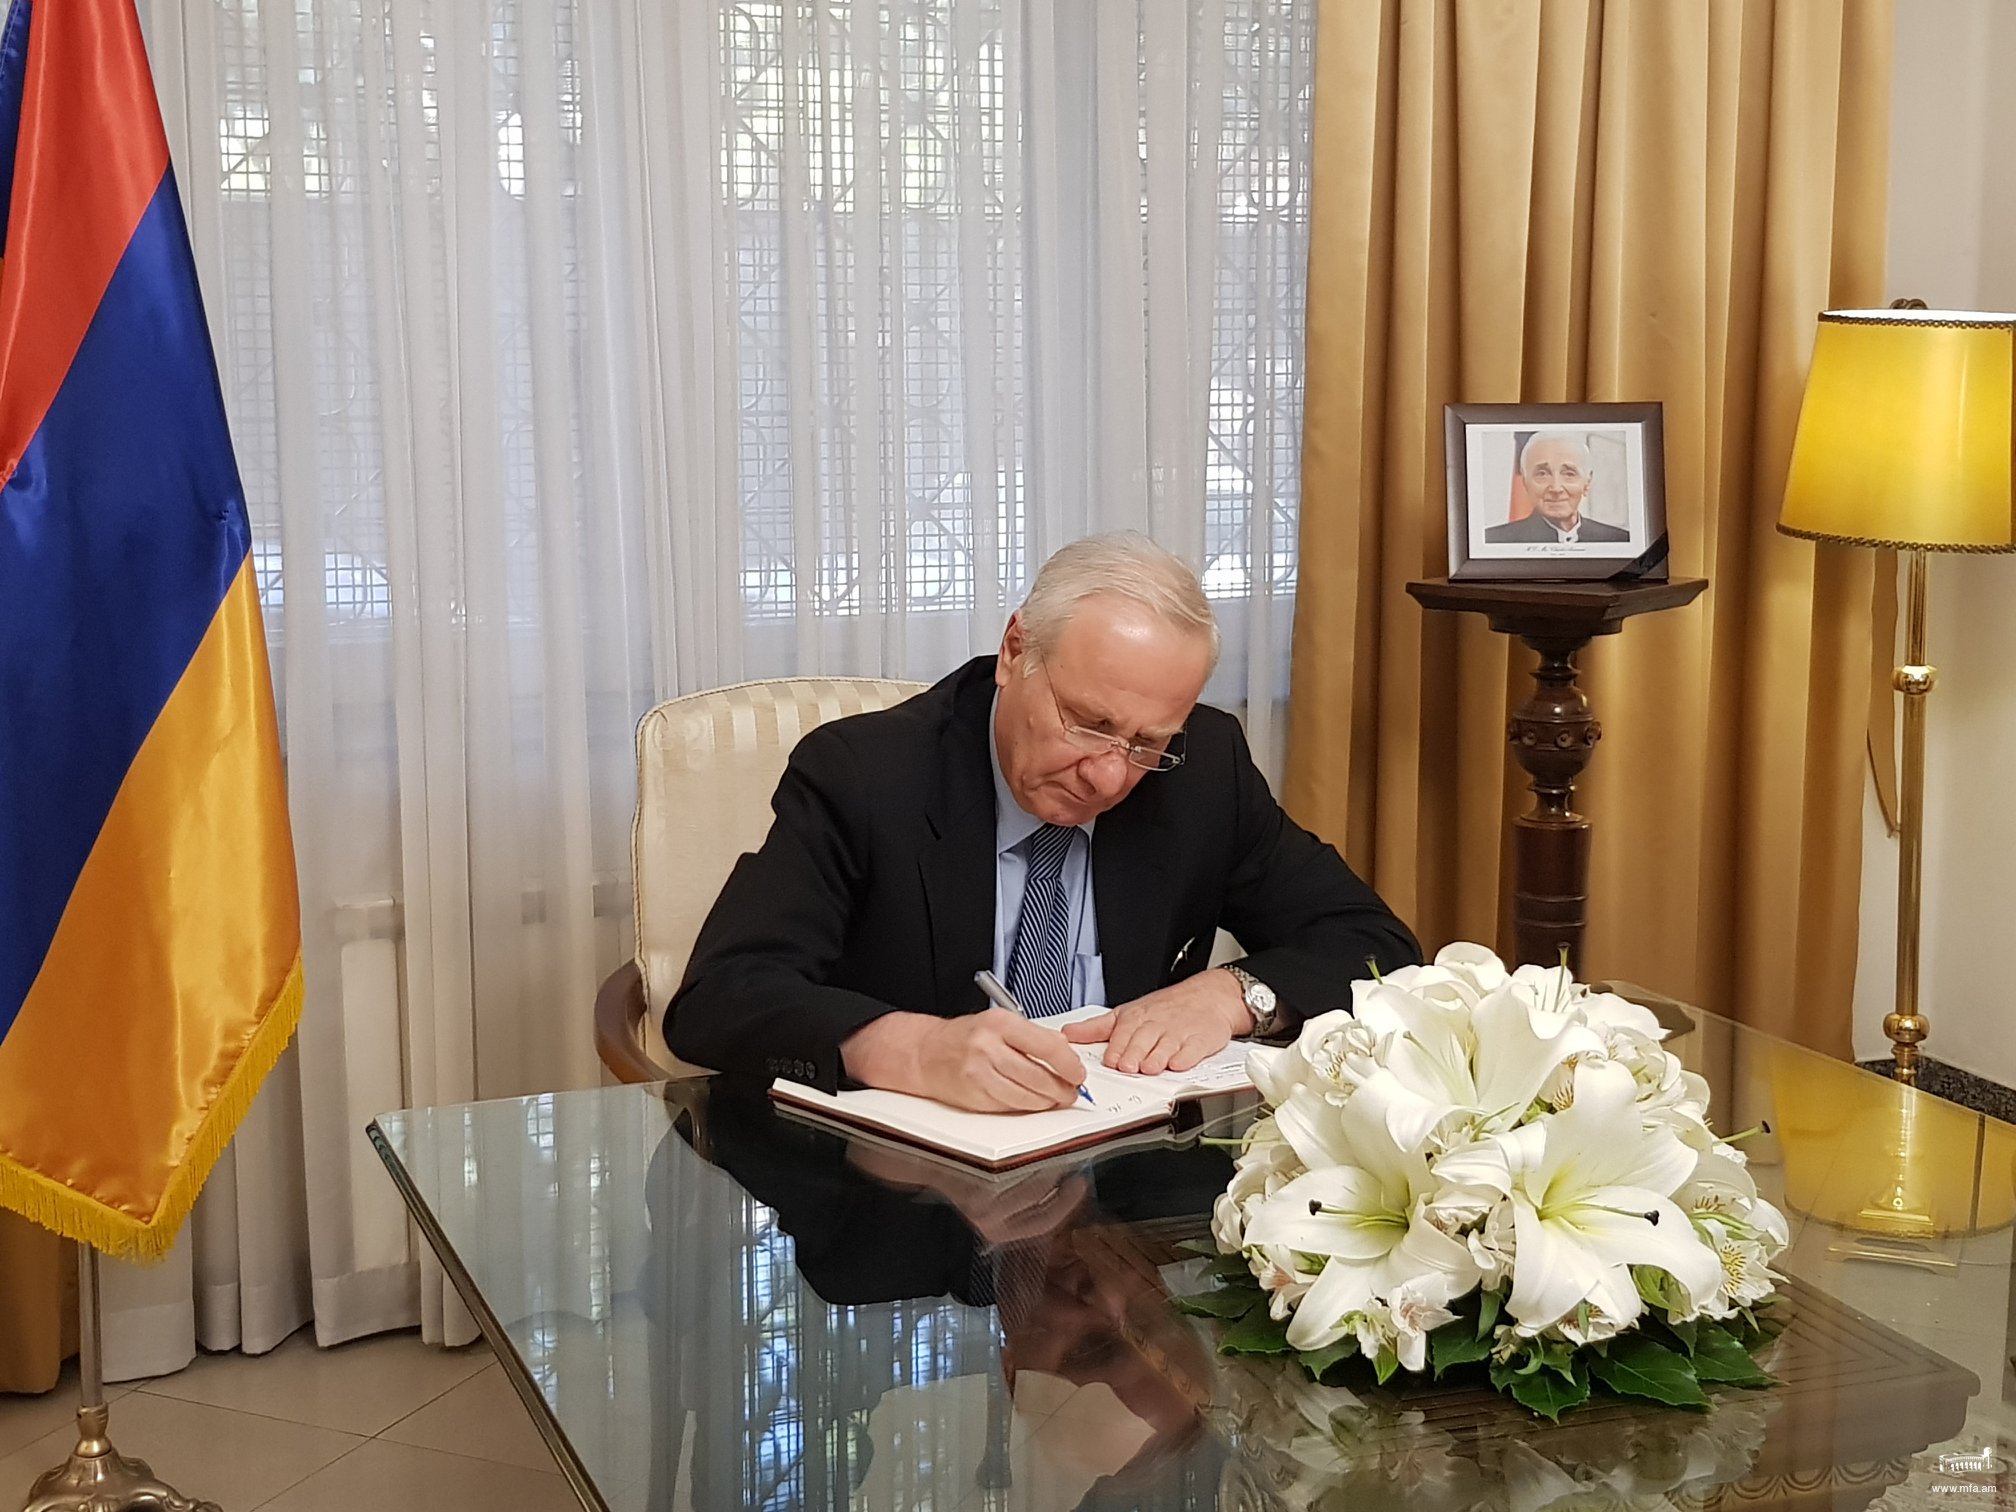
(75, 1215)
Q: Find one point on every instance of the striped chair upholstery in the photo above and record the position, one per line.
(706, 767)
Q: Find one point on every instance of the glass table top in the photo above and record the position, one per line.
(706, 1303)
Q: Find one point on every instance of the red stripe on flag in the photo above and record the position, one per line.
(89, 158)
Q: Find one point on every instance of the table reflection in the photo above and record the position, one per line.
(1019, 1320)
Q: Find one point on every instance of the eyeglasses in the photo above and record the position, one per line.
(1165, 758)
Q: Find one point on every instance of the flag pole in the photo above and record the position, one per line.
(97, 1477)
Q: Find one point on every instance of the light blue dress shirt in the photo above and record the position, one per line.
(1012, 826)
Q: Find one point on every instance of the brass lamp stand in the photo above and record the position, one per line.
(97, 1477)
(1904, 1024)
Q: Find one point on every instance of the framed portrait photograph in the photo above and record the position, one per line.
(1555, 491)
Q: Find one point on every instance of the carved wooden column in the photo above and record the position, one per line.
(1553, 734)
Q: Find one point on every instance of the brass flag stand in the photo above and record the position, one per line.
(97, 1477)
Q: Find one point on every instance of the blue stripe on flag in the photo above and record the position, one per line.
(120, 531)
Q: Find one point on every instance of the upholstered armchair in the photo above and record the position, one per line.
(706, 766)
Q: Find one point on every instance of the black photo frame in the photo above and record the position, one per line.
(1520, 473)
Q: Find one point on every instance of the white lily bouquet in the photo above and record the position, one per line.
(1498, 1169)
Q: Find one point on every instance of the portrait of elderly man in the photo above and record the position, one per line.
(1063, 813)
(1558, 470)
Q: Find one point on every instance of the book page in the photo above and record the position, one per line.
(985, 1136)
(1223, 1072)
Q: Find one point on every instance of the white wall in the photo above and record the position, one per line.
(1953, 244)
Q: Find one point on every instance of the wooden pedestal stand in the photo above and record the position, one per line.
(1552, 735)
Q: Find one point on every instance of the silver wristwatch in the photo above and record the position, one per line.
(1269, 1018)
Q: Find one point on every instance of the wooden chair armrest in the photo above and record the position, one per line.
(620, 1013)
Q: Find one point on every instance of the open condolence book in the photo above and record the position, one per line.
(1120, 1104)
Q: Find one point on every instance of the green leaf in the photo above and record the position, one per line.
(1688, 1333)
(1317, 1361)
(1488, 1304)
(1638, 1367)
(1204, 1247)
(1456, 1344)
(1385, 1364)
(1548, 1394)
(1232, 1268)
(1256, 1333)
(1556, 1355)
(1720, 1356)
(1218, 1304)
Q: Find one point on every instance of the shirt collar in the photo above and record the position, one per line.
(1012, 823)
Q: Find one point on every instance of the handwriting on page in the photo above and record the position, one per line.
(1219, 1072)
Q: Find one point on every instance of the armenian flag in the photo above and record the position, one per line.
(150, 960)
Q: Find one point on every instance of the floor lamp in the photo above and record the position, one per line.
(1904, 443)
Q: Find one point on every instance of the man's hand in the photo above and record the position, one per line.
(992, 1062)
(1170, 1030)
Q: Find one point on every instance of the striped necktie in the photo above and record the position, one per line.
(1039, 965)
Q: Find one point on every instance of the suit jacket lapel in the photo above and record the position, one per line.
(1133, 867)
(957, 866)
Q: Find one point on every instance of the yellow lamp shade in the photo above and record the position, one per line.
(1904, 436)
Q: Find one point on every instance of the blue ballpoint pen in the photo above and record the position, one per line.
(1001, 997)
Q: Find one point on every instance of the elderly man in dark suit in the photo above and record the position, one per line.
(1557, 470)
(1064, 813)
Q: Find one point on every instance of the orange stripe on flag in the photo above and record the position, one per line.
(173, 980)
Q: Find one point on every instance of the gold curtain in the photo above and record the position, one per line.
(38, 1305)
(1573, 200)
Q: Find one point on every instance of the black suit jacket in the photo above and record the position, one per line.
(1535, 530)
(875, 888)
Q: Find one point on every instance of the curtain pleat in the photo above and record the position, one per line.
(1546, 202)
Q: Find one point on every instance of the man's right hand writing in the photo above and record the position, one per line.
(992, 1062)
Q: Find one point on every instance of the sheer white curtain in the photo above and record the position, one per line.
(584, 352)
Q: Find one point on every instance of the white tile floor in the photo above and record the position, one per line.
(384, 1423)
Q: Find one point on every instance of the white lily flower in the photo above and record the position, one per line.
(1313, 1126)
(1720, 1182)
(1609, 1014)
(1590, 1190)
(1431, 983)
(1480, 968)
(1361, 1212)
(1457, 1084)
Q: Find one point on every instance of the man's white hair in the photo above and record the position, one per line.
(1125, 564)
(1574, 438)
